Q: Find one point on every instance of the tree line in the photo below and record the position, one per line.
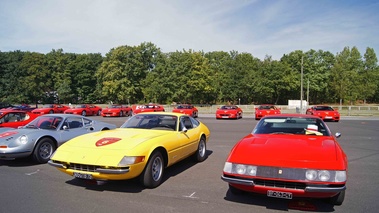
(143, 73)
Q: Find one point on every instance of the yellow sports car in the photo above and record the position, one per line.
(142, 147)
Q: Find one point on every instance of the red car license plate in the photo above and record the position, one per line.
(83, 176)
(284, 195)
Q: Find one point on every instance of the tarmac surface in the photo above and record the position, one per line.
(190, 187)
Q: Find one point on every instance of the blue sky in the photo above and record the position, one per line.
(260, 27)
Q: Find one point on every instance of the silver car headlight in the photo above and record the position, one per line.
(340, 176)
(240, 169)
(311, 174)
(324, 175)
(23, 139)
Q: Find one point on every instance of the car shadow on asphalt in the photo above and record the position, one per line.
(312, 205)
(19, 162)
(133, 185)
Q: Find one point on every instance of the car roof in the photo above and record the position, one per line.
(162, 113)
(61, 115)
(293, 115)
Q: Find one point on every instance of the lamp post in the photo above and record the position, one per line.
(301, 87)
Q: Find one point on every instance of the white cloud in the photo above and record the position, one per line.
(259, 27)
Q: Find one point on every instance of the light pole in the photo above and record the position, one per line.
(301, 87)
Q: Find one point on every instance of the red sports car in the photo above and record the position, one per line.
(84, 109)
(288, 156)
(266, 109)
(187, 109)
(147, 108)
(229, 111)
(324, 112)
(115, 110)
(22, 107)
(50, 109)
(15, 118)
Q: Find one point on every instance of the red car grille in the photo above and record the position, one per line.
(280, 184)
(224, 114)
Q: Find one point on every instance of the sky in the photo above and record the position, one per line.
(260, 27)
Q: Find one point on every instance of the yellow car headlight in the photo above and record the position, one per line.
(128, 160)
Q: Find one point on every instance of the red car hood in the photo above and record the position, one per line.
(295, 151)
(42, 110)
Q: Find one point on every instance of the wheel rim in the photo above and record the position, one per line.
(201, 148)
(156, 169)
(45, 150)
(84, 113)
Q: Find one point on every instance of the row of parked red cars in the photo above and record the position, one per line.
(20, 115)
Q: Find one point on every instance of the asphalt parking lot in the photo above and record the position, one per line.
(187, 186)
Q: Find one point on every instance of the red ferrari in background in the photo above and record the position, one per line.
(84, 109)
(187, 109)
(50, 109)
(147, 108)
(266, 109)
(15, 118)
(288, 156)
(229, 112)
(22, 107)
(324, 112)
(115, 110)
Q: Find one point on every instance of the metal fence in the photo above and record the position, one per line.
(369, 110)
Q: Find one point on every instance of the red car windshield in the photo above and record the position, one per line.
(291, 126)
(228, 107)
(266, 107)
(323, 108)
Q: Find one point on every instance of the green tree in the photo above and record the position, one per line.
(369, 75)
(83, 77)
(10, 76)
(37, 78)
(122, 71)
(345, 74)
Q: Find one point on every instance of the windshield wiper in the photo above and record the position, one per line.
(281, 133)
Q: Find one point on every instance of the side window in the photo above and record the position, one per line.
(74, 122)
(186, 122)
(12, 117)
(87, 122)
(195, 123)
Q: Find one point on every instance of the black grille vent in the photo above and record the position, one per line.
(82, 167)
(280, 184)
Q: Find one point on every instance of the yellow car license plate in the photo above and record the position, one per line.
(82, 176)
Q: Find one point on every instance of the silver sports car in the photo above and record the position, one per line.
(41, 137)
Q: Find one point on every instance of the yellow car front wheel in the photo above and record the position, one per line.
(152, 175)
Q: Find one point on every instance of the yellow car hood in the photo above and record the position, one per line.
(106, 147)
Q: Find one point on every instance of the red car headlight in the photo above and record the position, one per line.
(240, 169)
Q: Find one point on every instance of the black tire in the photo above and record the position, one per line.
(152, 175)
(201, 152)
(84, 113)
(98, 113)
(43, 150)
(338, 199)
